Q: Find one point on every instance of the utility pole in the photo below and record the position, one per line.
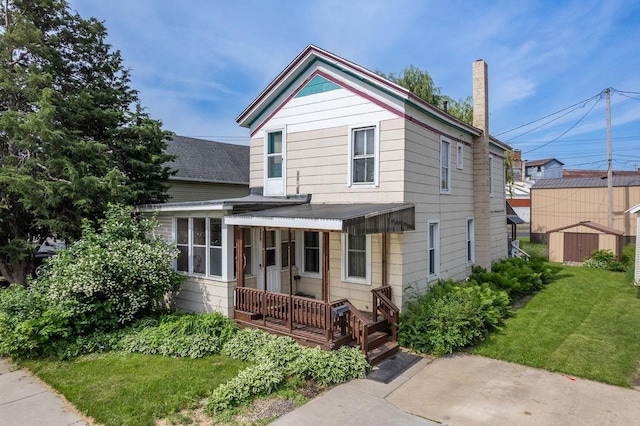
(609, 161)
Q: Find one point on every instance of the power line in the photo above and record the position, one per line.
(569, 129)
(581, 103)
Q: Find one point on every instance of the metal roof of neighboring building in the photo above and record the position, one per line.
(200, 160)
(577, 173)
(587, 182)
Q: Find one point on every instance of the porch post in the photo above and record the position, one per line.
(290, 257)
(239, 237)
(264, 276)
(325, 267)
(384, 258)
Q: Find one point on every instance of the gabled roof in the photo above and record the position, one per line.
(542, 162)
(314, 61)
(634, 209)
(591, 225)
(589, 182)
(200, 160)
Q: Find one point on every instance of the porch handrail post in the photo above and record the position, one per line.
(264, 275)
(290, 261)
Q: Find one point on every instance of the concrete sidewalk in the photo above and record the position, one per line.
(472, 390)
(24, 401)
(358, 402)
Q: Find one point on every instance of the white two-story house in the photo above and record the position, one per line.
(362, 194)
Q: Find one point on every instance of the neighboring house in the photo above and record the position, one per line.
(381, 195)
(207, 170)
(549, 168)
(556, 203)
(525, 174)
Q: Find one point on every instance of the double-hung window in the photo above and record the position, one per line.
(274, 155)
(356, 255)
(311, 252)
(433, 249)
(199, 241)
(363, 156)
(445, 163)
(471, 255)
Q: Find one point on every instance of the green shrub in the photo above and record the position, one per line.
(181, 335)
(260, 379)
(515, 276)
(628, 257)
(100, 283)
(450, 316)
(281, 357)
(604, 259)
(110, 278)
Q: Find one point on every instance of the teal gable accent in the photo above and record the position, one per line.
(318, 84)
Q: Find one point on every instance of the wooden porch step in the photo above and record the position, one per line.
(376, 339)
(382, 352)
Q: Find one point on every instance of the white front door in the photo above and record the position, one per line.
(273, 263)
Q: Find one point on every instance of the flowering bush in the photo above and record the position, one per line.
(103, 281)
(112, 277)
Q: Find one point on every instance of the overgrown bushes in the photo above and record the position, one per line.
(277, 358)
(102, 282)
(605, 259)
(450, 315)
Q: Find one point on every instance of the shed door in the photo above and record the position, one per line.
(578, 246)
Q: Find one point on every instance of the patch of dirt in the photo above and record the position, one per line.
(523, 301)
(260, 409)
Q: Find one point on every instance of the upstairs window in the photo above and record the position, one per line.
(274, 155)
(363, 156)
(445, 162)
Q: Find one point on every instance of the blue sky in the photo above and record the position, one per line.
(198, 64)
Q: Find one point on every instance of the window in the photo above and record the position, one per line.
(311, 251)
(363, 153)
(460, 156)
(356, 256)
(445, 161)
(491, 176)
(284, 244)
(471, 255)
(274, 155)
(433, 249)
(199, 241)
(271, 248)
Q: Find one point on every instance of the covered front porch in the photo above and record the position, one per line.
(321, 319)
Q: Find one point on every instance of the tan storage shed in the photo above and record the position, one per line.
(573, 243)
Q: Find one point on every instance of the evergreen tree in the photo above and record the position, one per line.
(73, 136)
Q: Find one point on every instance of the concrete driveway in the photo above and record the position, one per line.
(472, 390)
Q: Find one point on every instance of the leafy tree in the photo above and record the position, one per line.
(73, 135)
(420, 83)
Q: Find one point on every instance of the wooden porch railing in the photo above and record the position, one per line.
(302, 311)
(382, 304)
(358, 326)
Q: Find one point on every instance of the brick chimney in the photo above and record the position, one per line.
(481, 199)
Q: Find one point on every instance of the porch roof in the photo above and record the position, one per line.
(349, 218)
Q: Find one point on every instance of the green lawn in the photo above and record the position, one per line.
(134, 389)
(587, 324)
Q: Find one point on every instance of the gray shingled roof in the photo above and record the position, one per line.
(202, 160)
(588, 182)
